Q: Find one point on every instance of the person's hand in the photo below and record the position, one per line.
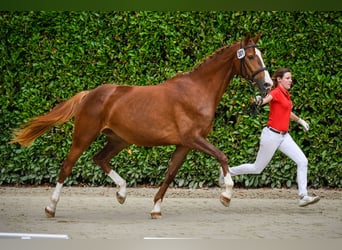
(258, 100)
(304, 124)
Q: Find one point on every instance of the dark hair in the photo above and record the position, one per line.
(279, 73)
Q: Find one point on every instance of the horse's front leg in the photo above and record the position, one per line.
(226, 196)
(177, 159)
(206, 147)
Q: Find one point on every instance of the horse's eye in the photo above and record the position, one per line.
(251, 57)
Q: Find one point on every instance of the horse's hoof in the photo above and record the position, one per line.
(48, 213)
(224, 200)
(121, 199)
(156, 215)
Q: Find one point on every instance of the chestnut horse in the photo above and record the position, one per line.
(179, 111)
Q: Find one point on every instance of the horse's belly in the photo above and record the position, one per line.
(153, 136)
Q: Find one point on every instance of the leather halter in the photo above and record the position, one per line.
(243, 65)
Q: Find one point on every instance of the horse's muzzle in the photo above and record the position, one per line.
(264, 87)
(268, 88)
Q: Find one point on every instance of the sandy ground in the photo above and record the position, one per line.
(94, 213)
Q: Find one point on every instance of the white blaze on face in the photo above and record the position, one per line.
(267, 75)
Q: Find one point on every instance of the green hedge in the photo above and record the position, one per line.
(47, 57)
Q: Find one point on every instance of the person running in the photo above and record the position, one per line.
(275, 136)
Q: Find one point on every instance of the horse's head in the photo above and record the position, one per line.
(252, 66)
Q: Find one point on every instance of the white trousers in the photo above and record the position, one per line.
(269, 143)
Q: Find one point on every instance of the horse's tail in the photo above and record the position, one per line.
(39, 125)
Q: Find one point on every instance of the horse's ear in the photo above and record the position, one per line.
(256, 38)
(248, 36)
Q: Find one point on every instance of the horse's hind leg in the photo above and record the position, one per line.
(113, 147)
(81, 142)
(177, 160)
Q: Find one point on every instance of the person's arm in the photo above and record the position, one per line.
(295, 118)
(261, 101)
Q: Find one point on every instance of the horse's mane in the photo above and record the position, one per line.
(217, 52)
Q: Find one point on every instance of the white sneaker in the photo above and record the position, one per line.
(221, 179)
(307, 200)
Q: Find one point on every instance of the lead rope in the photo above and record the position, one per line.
(252, 109)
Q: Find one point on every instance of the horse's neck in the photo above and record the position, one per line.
(215, 73)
